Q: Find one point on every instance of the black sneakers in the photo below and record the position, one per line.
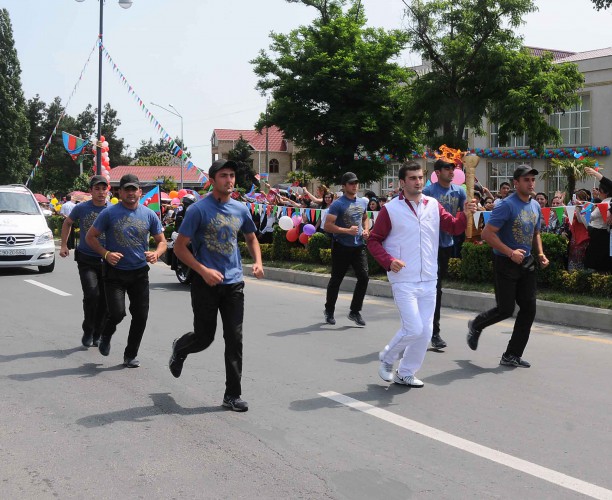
(329, 318)
(234, 403)
(104, 346)
(356, 317)
(473, 336)
(512, 360)
(437, 342)
(87, 340)
(130, 362)
(176, 362)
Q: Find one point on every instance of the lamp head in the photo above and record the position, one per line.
(126, 4)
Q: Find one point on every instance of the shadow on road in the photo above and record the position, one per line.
(360, 360)
(377, 395)
(466, 371)
(57, 353)
(84, 371)
(315, 327)
(163, 404)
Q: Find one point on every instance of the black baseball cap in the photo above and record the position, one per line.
(129, 180)
(219, 164)
(97, 179)
(522, 170)
(348, 177)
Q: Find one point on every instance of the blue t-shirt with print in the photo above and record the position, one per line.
(452, 199)
(86, 213)
(517, 222)
(213, 228)
(349, 213)
(127, 231)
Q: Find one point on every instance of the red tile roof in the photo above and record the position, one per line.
(557, 54)
(276, 140)
(148, 175)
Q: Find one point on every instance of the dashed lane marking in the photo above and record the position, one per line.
(49, 288)
(552, 476)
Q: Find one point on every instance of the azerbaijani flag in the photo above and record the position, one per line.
(152, 200)
(74, 145)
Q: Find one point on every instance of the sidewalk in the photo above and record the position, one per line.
(590, 318)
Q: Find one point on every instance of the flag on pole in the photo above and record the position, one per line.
(74, 145)
(152, 200)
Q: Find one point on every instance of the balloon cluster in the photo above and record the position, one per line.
(56, 205)
(105, 167)
(547, 153)
(458, 178)
(292, 226)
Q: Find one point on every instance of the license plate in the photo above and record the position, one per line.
(12, 251)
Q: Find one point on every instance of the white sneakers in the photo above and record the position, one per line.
(409, 380)
(385, 370)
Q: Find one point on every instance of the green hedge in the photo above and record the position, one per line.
(325, 256)
(317, 242)
(476, 262)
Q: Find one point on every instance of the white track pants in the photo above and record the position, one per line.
(416, 303)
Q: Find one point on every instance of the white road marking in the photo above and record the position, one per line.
(49, 288)
(499, 457)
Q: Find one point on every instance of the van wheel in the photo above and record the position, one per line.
(47, 269)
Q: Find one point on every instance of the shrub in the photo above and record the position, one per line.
(266, 251)
(454, 268)
(316, 242)
(280, 245)
(325, 255)
(574, 281)
(601, 284)
(244, 251)
(476, 262)
(168, 230)
(373, 266)
(299, 255)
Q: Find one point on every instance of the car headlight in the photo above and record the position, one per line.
(44, 238)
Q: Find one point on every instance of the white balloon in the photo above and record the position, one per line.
(285, 223)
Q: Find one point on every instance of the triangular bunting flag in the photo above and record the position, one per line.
(477, 215)
(546, 215)
(559, 213)
(603, 210)
(571, 209)
(486, 216)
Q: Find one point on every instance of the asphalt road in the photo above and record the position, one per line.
(322, 424)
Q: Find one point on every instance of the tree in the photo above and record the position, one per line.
(337, 92)
(479, 68)
(158, 159)
(241, 154)
(14, 130)
(572, 169)
(602, 4)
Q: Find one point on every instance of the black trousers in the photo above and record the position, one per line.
(91, 271)
(342, 258)
(444, 254)
(513, 284)
(118, 283)
(206, 302)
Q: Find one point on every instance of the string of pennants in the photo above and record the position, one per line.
(175, 149)
(314, 214)
(311, 215)
(54, 132)
(570, 210)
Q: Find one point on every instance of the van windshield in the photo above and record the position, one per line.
(18, 203)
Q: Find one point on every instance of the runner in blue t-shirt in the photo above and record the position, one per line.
(127, 227)
(212, 225)
(346, 221)
(514, 233)
(452, 198)
(89, 262)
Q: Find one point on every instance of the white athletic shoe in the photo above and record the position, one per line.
(385, 370)
(409, 380)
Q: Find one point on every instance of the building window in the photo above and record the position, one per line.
(556, 182)
(390, 181)
(575, 123)
(273, 166)
(515, 141)
(501, 171)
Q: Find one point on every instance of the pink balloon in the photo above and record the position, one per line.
(182, 193)
(297, 220)
(459, 177)
(175, 202)
(434, 177)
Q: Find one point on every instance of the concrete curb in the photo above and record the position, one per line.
(589, 318)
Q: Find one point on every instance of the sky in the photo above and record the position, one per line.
(194, 54)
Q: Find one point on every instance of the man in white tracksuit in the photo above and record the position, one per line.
(404, 241)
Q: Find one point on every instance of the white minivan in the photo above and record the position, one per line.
(25, 237)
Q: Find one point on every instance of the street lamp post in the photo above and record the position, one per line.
(176, 113)
(126, 4)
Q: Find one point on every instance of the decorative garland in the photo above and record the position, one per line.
(175, 149)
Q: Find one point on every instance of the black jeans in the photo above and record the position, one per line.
(444, 254)
(513, 283)
(206, 302)
(342, 258)
(117, 283)
(91, 271)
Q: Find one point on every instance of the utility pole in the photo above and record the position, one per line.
(267, 141)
